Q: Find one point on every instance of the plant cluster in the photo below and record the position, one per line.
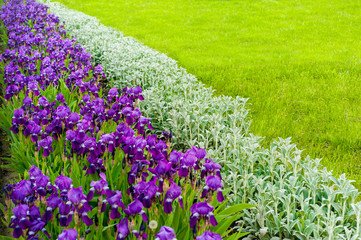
(90, 169)
(295, 197)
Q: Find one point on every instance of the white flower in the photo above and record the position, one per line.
(153, 225)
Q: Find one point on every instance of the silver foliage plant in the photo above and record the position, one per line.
(296, 198)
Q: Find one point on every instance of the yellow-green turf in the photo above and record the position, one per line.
(298, 61)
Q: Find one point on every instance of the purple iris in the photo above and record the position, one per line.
(142, 123)
(199, 210)
(27, 102)
(209, 236)
(200, 152)
(101, 185)
(78, 199)
(165, 233)
(37, 224)
(46, 145)
(98, 71)
(70, 234)
(135, 208)
(114, 198)
(34, 171)
(123, 229)
(112, 94)
(173, 193)
(60, 98)
(66, 212)
(145, 192)
(19, 222)
(19, 117)
(135, 93)
(76, 196)
(213, 183)
(210, 167)
(53, 202)
(41, 182)
(63, 182)
(72, 120)
(43, 101)
(107, 141)
(21, 191)
(35, 132)
(161, 171)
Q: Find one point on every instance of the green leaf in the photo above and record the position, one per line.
(224, 226)
(5, 237)
(236, 236)
(234, 209)
(105, 228)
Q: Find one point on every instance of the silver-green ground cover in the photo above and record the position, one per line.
(295, 198)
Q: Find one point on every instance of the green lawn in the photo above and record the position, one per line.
(298, 61)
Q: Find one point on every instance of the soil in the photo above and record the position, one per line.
(5, 174)
(5, 177)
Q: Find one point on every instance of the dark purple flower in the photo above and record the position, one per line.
(20, 220)
(35, 132)
(21, 211)
(107, 140)
(46, 145)
(33, 87)
(115, 200)
(41, 182)
(37, 226)
(19, 117)
(210, 167)
(60, 98)
(165, 233)
(214, 183)
(63, 183)
(43, 101)
(53, 202)
(96, 165)
(27, 101)
(83, 212)
(62, 112)
(145, 192)
(209, 236)
(72, 120)
(75, 195)
(66, 212)
(135, 208)
(189, 159)
(175, 157)
(101, 185)
(135, 93)
(70, 234)
(113, 92)
(173, 193)
(199, 210)
(199, 152)
(123, 229)
(21, 190)
(142, 122)
(34, 172)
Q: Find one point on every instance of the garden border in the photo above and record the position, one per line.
(295, 197)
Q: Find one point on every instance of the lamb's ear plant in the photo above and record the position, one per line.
(89, 164)
(305, 201)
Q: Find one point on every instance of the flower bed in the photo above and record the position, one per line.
(89, 167)
(296, 198)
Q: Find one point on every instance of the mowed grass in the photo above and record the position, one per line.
(298, 61)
